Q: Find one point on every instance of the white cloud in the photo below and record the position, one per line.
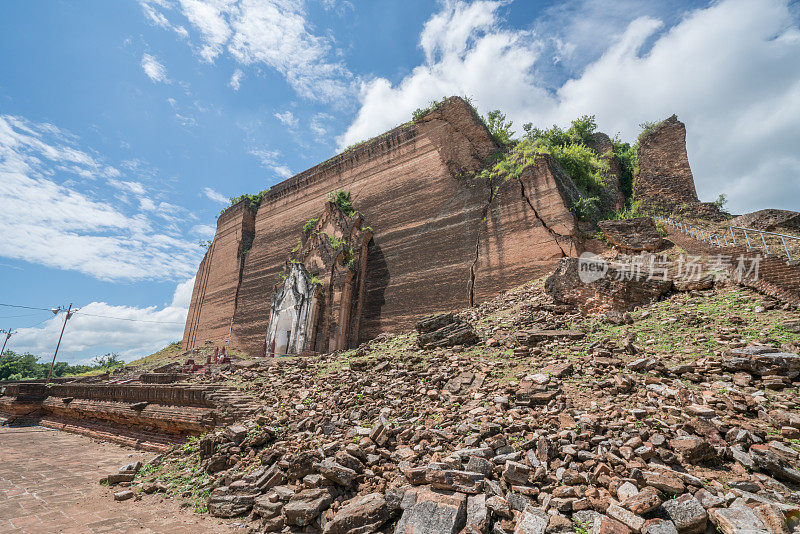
(132, 332)
(269, 160)
(60, 226)
(204, 230)
(467, 53)
(274, 33)
(236, 79)
(286, 118)
(317, 126)
(215, 195)
(283, 171)
(133, 187)
(154, 69)
(157, 18)
(730, 71)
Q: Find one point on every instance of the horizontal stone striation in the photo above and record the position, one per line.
(438, 243)
(174, 420)
(412, 185)
(777, 277)
(528, 229)
(173, 395)
(665, 179)
(217, 281)
(150, 415)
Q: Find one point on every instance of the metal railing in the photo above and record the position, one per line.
(722, 240)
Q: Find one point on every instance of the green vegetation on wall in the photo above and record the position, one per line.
(569, 147)
(498, 126)
(628, 155)
(309, 225)
(253, 201)
(342, 201)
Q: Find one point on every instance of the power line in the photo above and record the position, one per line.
(37, 324)
(74, 312)
(126, 318)
(25, 307)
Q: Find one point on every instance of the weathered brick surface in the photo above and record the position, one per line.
(414, 185)
(665, 179)
(214, 294)
(528, 230)
(776, 276)
(147, 416)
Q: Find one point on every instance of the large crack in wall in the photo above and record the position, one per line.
(552, 232)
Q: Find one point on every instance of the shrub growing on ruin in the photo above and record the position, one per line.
(649, 127)
(499, 128)
(628, 155)
(584, 207)
(309, 225)
(253, 201)
(631, 210)
(433, 106)
(342, 201)
(568, 147)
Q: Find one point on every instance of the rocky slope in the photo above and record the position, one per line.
(679, 417)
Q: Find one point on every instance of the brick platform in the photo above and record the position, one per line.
(147, 417)
(49, 483)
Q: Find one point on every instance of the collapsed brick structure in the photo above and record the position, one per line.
(144, 416)
(665, 179)
(317, 305)
(441, 239)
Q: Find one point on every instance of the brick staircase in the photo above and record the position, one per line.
(231, 403)
(777, 276)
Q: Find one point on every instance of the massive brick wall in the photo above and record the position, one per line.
(439, 244)
(665, 179)
(218, 278)
(528, 229)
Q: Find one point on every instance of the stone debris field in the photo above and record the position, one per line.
(519, 416)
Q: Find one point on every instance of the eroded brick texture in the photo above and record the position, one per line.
(665, 179)
(438, 243)
(218, 278)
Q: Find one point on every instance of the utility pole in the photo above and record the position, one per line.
(59, 342)
(8, 334)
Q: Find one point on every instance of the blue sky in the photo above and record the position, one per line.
(125, 125)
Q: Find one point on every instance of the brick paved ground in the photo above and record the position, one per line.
(49, 483)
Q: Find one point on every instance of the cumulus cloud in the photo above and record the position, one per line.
(98, 328)
(154, 69)
(216, 196)
(730, 71)
(467, 53)
(274, 33)
(61, 226)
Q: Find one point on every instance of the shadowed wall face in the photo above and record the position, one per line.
(218, 278)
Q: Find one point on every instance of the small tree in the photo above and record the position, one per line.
(499, 128)
(107, 361)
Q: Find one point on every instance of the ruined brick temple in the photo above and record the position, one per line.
(297, 274)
